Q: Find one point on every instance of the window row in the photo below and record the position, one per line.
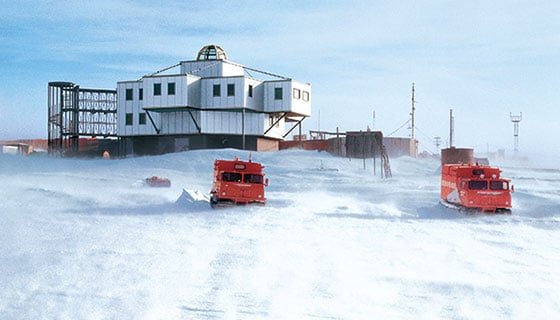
(247, 177)
(217, 92)
(130, 94)
(157, 91)
(483, 185)
(170, 89)
(129, 119)
(301, 94)
(297, 94)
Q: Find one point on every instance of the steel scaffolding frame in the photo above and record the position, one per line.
(74, 112)
(97, 112)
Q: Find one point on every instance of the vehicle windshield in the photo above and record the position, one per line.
(499, 185)
(231, 176)
(253, 178)
(477, 185)
(477, 172)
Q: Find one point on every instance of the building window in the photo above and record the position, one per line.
(277, 93)
(216, 90)
(128, 94)
(231, 90)
(250, 91)
(142, 118)
(140, 94)
(171, 88)
(305, 96)
(297, 93)
(157, 89)
(129, 119)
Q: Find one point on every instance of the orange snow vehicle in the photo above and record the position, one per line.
(237, 182)
(475, 187)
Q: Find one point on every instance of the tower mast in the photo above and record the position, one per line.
(515, 119)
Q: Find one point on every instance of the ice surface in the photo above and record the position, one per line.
(82, 239)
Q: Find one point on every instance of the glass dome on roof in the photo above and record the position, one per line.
(211, 52)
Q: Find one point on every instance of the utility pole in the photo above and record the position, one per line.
(412, 113)
(437, 142)
(515, 119)
(243, 129)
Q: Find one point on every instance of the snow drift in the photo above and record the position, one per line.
(81, 239)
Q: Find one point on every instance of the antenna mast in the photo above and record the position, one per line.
(515, 119)
(451, 120)
(412, 113)
(319, 121)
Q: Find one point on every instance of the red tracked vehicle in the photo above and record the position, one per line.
(475, 187)
(237, 182)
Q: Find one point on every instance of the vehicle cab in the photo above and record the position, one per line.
(238, 182)
(476, 186)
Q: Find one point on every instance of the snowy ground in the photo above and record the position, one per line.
(84, 239)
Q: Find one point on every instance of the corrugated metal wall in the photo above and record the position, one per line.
(249, 115)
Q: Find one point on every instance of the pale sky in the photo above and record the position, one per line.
(483, 59)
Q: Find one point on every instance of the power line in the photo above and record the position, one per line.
(399, 128)
(428, 138)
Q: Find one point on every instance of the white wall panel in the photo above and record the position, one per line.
(201, 68)
(230, 70)
(273, 105)
(165, 99)
(256, 102)
(135, 108)
(254, 123)
(220, 122)
(121, 108)
(211, 69)
(178, 123)
(300, 105)
(208, 100)
(287, 103)
(193, 91)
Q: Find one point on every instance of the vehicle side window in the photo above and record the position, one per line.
(253, 178)
(477, 185)
(231, 176)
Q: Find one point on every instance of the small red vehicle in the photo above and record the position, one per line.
(237, 182)
(158, 182)
(476, 187)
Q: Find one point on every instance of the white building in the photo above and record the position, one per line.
(210, 103)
